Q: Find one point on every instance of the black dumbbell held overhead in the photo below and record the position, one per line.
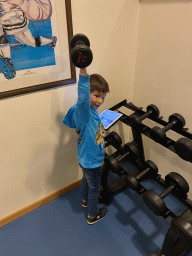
(113, 139)
(175, 183)
(152, 111)
(130, 149)
(134, 179)
(81, 54)
(159, 135)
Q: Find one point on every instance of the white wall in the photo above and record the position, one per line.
(163, 73)
(112, 29)
(38, 153)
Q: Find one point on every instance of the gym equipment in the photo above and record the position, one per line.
(113, 139)
(183, 148)
(130, 149)
(175, 183)
(182, 228)
(152, 111)
(174, 244)
(81, 54)
(133, 179)
(158, 134)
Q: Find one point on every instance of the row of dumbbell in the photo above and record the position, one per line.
(183, 147)
(174, 183)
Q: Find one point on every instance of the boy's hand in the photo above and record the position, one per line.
(83, 71)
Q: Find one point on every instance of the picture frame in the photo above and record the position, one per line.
(50, 76)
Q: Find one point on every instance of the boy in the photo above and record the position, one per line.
(83, 116)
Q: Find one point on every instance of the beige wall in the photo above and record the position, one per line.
(112, 29)
(38, 153)
(163, 73)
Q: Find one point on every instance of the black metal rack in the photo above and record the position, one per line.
(173, 245)
(145, 129)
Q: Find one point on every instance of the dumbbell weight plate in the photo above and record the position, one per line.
(180, 120)
(116, 139)
(81, 56)
(132, 148)
(112, 162)
(152, 166)
(154, 109)
(183, 148)
(154, 202)
(181, 185)
(81, 38)
(150, 170)
(157, 134)
(182, 228)
(133, 179)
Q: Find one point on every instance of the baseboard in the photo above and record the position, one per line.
(39, 203)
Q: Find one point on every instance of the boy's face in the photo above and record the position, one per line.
(97, 99)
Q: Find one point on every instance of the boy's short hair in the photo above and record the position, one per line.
(98, 83)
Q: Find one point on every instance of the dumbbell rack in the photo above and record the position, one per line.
(173, 245)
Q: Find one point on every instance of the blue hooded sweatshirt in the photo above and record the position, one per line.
(88, 126)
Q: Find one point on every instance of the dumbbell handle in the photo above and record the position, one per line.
(167, 191)
(148, 113)
(169, 126)
(142, 174)
(119, 158)
(80, 42)
(108, 141)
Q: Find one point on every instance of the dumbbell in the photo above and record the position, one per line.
(152, 111)
(182, 228)
(81, 54)
(113, 139)
(133, 179)
(183, 148)
(130, 149)
(158, 134)
(175, 183)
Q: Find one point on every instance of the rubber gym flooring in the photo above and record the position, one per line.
(60, 227)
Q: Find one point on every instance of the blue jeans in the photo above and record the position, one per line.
(90, 188)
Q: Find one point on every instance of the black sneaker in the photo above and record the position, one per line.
(100, 215)
(84, 203)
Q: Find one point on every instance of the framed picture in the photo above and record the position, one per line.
(35, 46)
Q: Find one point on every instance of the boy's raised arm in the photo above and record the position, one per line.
(83, 71)
(82, 113)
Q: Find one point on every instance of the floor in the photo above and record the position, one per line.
(60, 228)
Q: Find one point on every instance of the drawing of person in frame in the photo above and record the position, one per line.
(17, 19)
